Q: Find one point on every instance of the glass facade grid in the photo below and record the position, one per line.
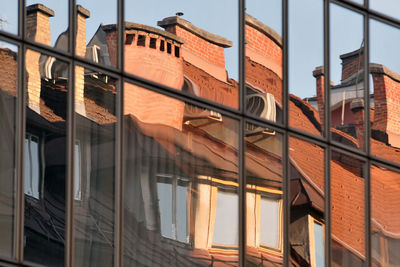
(241, 115)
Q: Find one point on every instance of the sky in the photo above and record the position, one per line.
(305, 28)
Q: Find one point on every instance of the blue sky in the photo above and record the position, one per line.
(305, 28)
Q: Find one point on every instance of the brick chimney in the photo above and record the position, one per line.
(80, 50)
(352, 63)
(37, 29)
(202, 49)
(357, 107)
(387, 102)
(319, 75)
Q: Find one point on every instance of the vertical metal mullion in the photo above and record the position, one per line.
(69, 243)
(367, 134)
(119, 199)
(327, 120)
(285, 145)
(242, 124)
(20, 139)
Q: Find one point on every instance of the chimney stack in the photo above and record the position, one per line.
(37, 29)
(202, 49)
(357, 107)
(386, 101)
(352, 63)
(319, 75)
(80, 50)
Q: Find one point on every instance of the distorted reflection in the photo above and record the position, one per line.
(181, 200)
(8, 116)
(47, 23)
(186, 51)
(94, 168)
(307, 195)
(347, 211)
(385, 225)
(306, 87)
(91, 40)
(45, 158)
(264, 59)
(347, 77)
(264, 205)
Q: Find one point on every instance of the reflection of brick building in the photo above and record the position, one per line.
(182, 160)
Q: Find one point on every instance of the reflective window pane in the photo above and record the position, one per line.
(347, 77)
(384, 89)
(347, 211)
(8, 116)
(47, 22)
(387, 7)
(306, 74)
(93, 40)
(181, 183)
(45, 158)
(263, 59)
(307, 196)
(9, 16)
(176, 45)
(264, 196)
(385, 195)
(96, 123)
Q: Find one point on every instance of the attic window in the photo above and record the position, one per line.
(169, 48)
(153, 42)
(176, 51)
(162, 45)
(129, 38)
(141, 40)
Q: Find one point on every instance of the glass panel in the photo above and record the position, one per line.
(9, 16)
(264, 194)
(95, 122)
(226, 233)
(306, 74)
(264, 59)
(388, 7)
(347, 211)
(385, 91)
(385, 223)
(94, 21)
(45, 158)
(176, 45)
(307, 196)
(319, 244)
(270, 216)
(181, 183)
(8, 117)
(47, 22)
(347, 77)
(32, 166)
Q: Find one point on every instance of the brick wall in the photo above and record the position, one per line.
(387, 103)
(150, 107)
(152, 63)
(9, 75)
(263, 44)
(203, 48)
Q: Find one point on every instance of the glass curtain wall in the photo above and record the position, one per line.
(199, 133)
